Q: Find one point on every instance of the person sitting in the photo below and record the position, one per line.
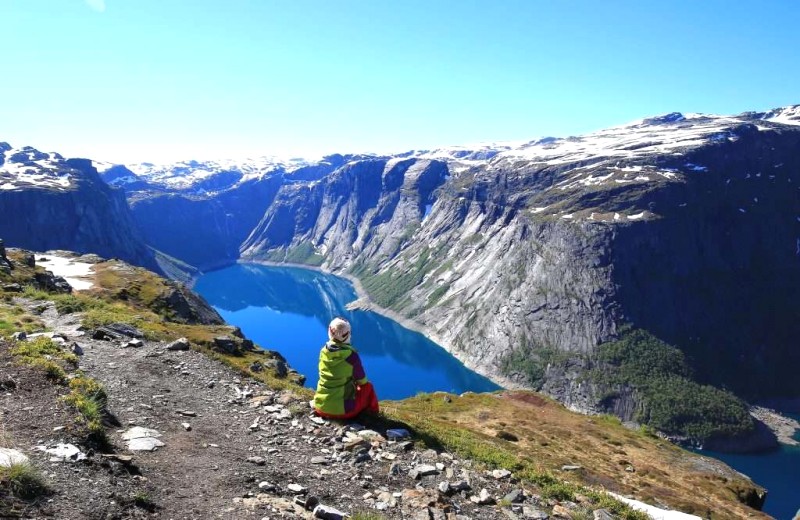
(343, 390)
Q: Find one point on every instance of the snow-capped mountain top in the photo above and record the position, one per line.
(669, 134)
(185, 174)
(26, 167)
(787, 115)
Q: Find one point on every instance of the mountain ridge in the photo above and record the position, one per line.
(543, 251)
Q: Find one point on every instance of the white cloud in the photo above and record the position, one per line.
(97, 5)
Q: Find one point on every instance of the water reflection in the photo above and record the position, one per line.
(287, 309)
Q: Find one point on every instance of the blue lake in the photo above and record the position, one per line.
(288, 309)
(778, 471)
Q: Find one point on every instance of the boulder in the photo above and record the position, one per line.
(179, 344)
(226, 345)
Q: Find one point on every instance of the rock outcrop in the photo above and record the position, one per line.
(48, 202)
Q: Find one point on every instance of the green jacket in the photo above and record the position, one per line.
(340, 370)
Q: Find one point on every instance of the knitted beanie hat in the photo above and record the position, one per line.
(339, 330)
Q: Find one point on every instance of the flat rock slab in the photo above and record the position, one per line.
(10, 457)
(138, 432)
(144, 444)
(63, 452)
(142, 439)
(422, 471)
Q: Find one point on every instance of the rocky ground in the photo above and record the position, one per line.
(213, 445)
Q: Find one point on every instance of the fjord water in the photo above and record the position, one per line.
(288, 309)
(778, 471)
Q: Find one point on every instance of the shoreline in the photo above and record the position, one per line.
(783, 427)
(364, 303)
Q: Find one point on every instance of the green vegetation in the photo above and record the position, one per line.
(23, 481)
(90, 399)
(672, 401)
(43, 354)
(13, 318)
(532, 361)
(391, 289)
(367, 515)
(303, 253)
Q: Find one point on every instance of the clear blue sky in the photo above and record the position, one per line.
(138, 80)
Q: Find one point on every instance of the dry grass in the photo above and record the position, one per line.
(549, 437)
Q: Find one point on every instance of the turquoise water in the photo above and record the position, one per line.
(288, 310)
(778, 471)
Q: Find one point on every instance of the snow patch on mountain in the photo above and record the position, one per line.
(26, 167)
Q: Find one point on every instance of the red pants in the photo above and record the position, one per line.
(366, 401)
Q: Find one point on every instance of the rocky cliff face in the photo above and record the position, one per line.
(47, 202)
(687, 227)
(211, 207)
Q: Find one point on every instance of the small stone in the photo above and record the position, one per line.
(422, 471)
(76, 349)
(561, 511)
(533, 513)
(19, 336)
(256, 367)
(501, 474)
(258, 461)
(630, 469)
(353, 444)
(367, 495)
(461, 485)
(440, 466)
(319, 460)
(63, 453)
(388, 498)
(444, 488)
(179, 344)
(266, 486)
(371, 435)
(186, 426)
(318, 420)
(144, 444)
(514, 496)
(483, 498)
(187, 413)
(395, 470)
(297, 489)
(603, 514)
(570, 467)
(419, 498)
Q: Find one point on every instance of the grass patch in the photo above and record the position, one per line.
(14, 318)
(45, 355)
(22, 481)
(89, 398)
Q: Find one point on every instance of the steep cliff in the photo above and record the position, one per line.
(211, 207)
(686, 228)
(48, 202)
(542, 264)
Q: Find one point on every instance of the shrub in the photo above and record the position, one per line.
(22, 480)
